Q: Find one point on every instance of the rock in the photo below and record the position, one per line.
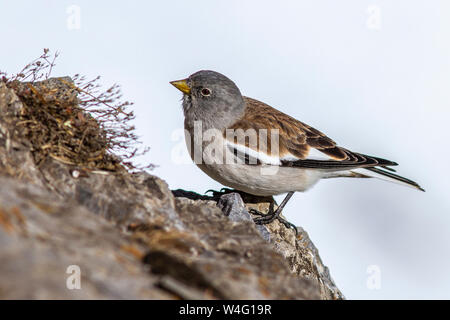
(133, 238)
(233, 207)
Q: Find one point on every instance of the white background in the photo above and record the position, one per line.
(377, 86)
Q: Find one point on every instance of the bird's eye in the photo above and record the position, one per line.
(205, 92)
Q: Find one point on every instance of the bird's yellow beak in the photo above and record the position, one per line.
(181, 85)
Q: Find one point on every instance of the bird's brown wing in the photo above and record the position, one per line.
(298, 140)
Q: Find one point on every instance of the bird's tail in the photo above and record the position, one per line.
(386, 175)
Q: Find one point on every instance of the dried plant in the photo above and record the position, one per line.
(74, 120)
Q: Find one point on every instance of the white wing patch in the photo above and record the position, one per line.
(265, 158)
(260, 156)
(315, 154)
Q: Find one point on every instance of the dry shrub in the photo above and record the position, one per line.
(74, 120)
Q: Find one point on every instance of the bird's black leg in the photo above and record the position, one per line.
(272, 215)
(261, 214)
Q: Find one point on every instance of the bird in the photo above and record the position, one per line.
(254, 148)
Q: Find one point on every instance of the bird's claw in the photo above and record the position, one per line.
(266, 218)
(220, 192)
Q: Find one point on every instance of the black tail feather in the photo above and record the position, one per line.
(396, 177)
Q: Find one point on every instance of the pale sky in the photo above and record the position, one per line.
(373, 75)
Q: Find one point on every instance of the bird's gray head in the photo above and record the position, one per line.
(210, 97)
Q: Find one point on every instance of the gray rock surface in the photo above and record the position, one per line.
(133, 238)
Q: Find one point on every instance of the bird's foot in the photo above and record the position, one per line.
(217, 194)
(266, 218)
